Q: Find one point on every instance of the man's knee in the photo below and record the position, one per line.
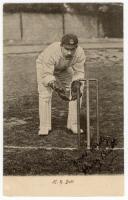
(44, 92)
(44, 99)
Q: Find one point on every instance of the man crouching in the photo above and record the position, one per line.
(59, 62)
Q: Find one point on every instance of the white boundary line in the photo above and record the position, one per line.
(40, 147)
(53, 148)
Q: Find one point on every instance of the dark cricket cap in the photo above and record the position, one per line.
(70, 40)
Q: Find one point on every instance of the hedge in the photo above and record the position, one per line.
(82, 8)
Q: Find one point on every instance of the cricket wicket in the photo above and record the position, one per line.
(87, 81)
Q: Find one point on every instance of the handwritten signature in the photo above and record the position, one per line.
(97, 161)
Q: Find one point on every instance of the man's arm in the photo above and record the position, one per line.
(79, 71)
(45, 69)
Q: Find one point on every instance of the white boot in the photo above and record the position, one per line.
(44, 115)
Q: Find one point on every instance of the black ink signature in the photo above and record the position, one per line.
(96, 161)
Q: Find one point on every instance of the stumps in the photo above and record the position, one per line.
(78, 113)
(88, 115)
(87, 81)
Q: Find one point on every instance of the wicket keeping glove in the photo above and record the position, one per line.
(74, 86)
(55, 86)
(59, 89)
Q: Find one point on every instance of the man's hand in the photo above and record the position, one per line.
(55, 86)
(59, 89)
(74, 86)
(63, 96)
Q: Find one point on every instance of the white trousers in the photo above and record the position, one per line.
(45, 95)
(45, 113)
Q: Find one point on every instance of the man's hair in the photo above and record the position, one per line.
(69, 39)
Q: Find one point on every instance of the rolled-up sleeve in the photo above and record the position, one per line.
(45, 69)
(79, 66)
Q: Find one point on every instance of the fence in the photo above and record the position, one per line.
(46, 28)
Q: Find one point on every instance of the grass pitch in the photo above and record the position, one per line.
(21, 121)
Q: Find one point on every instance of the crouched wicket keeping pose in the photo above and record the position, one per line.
(61, 62)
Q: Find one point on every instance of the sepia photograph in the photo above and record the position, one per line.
(63, 90)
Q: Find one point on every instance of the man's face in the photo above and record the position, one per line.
(68, 51)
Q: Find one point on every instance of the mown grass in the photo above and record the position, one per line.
(21, 122)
